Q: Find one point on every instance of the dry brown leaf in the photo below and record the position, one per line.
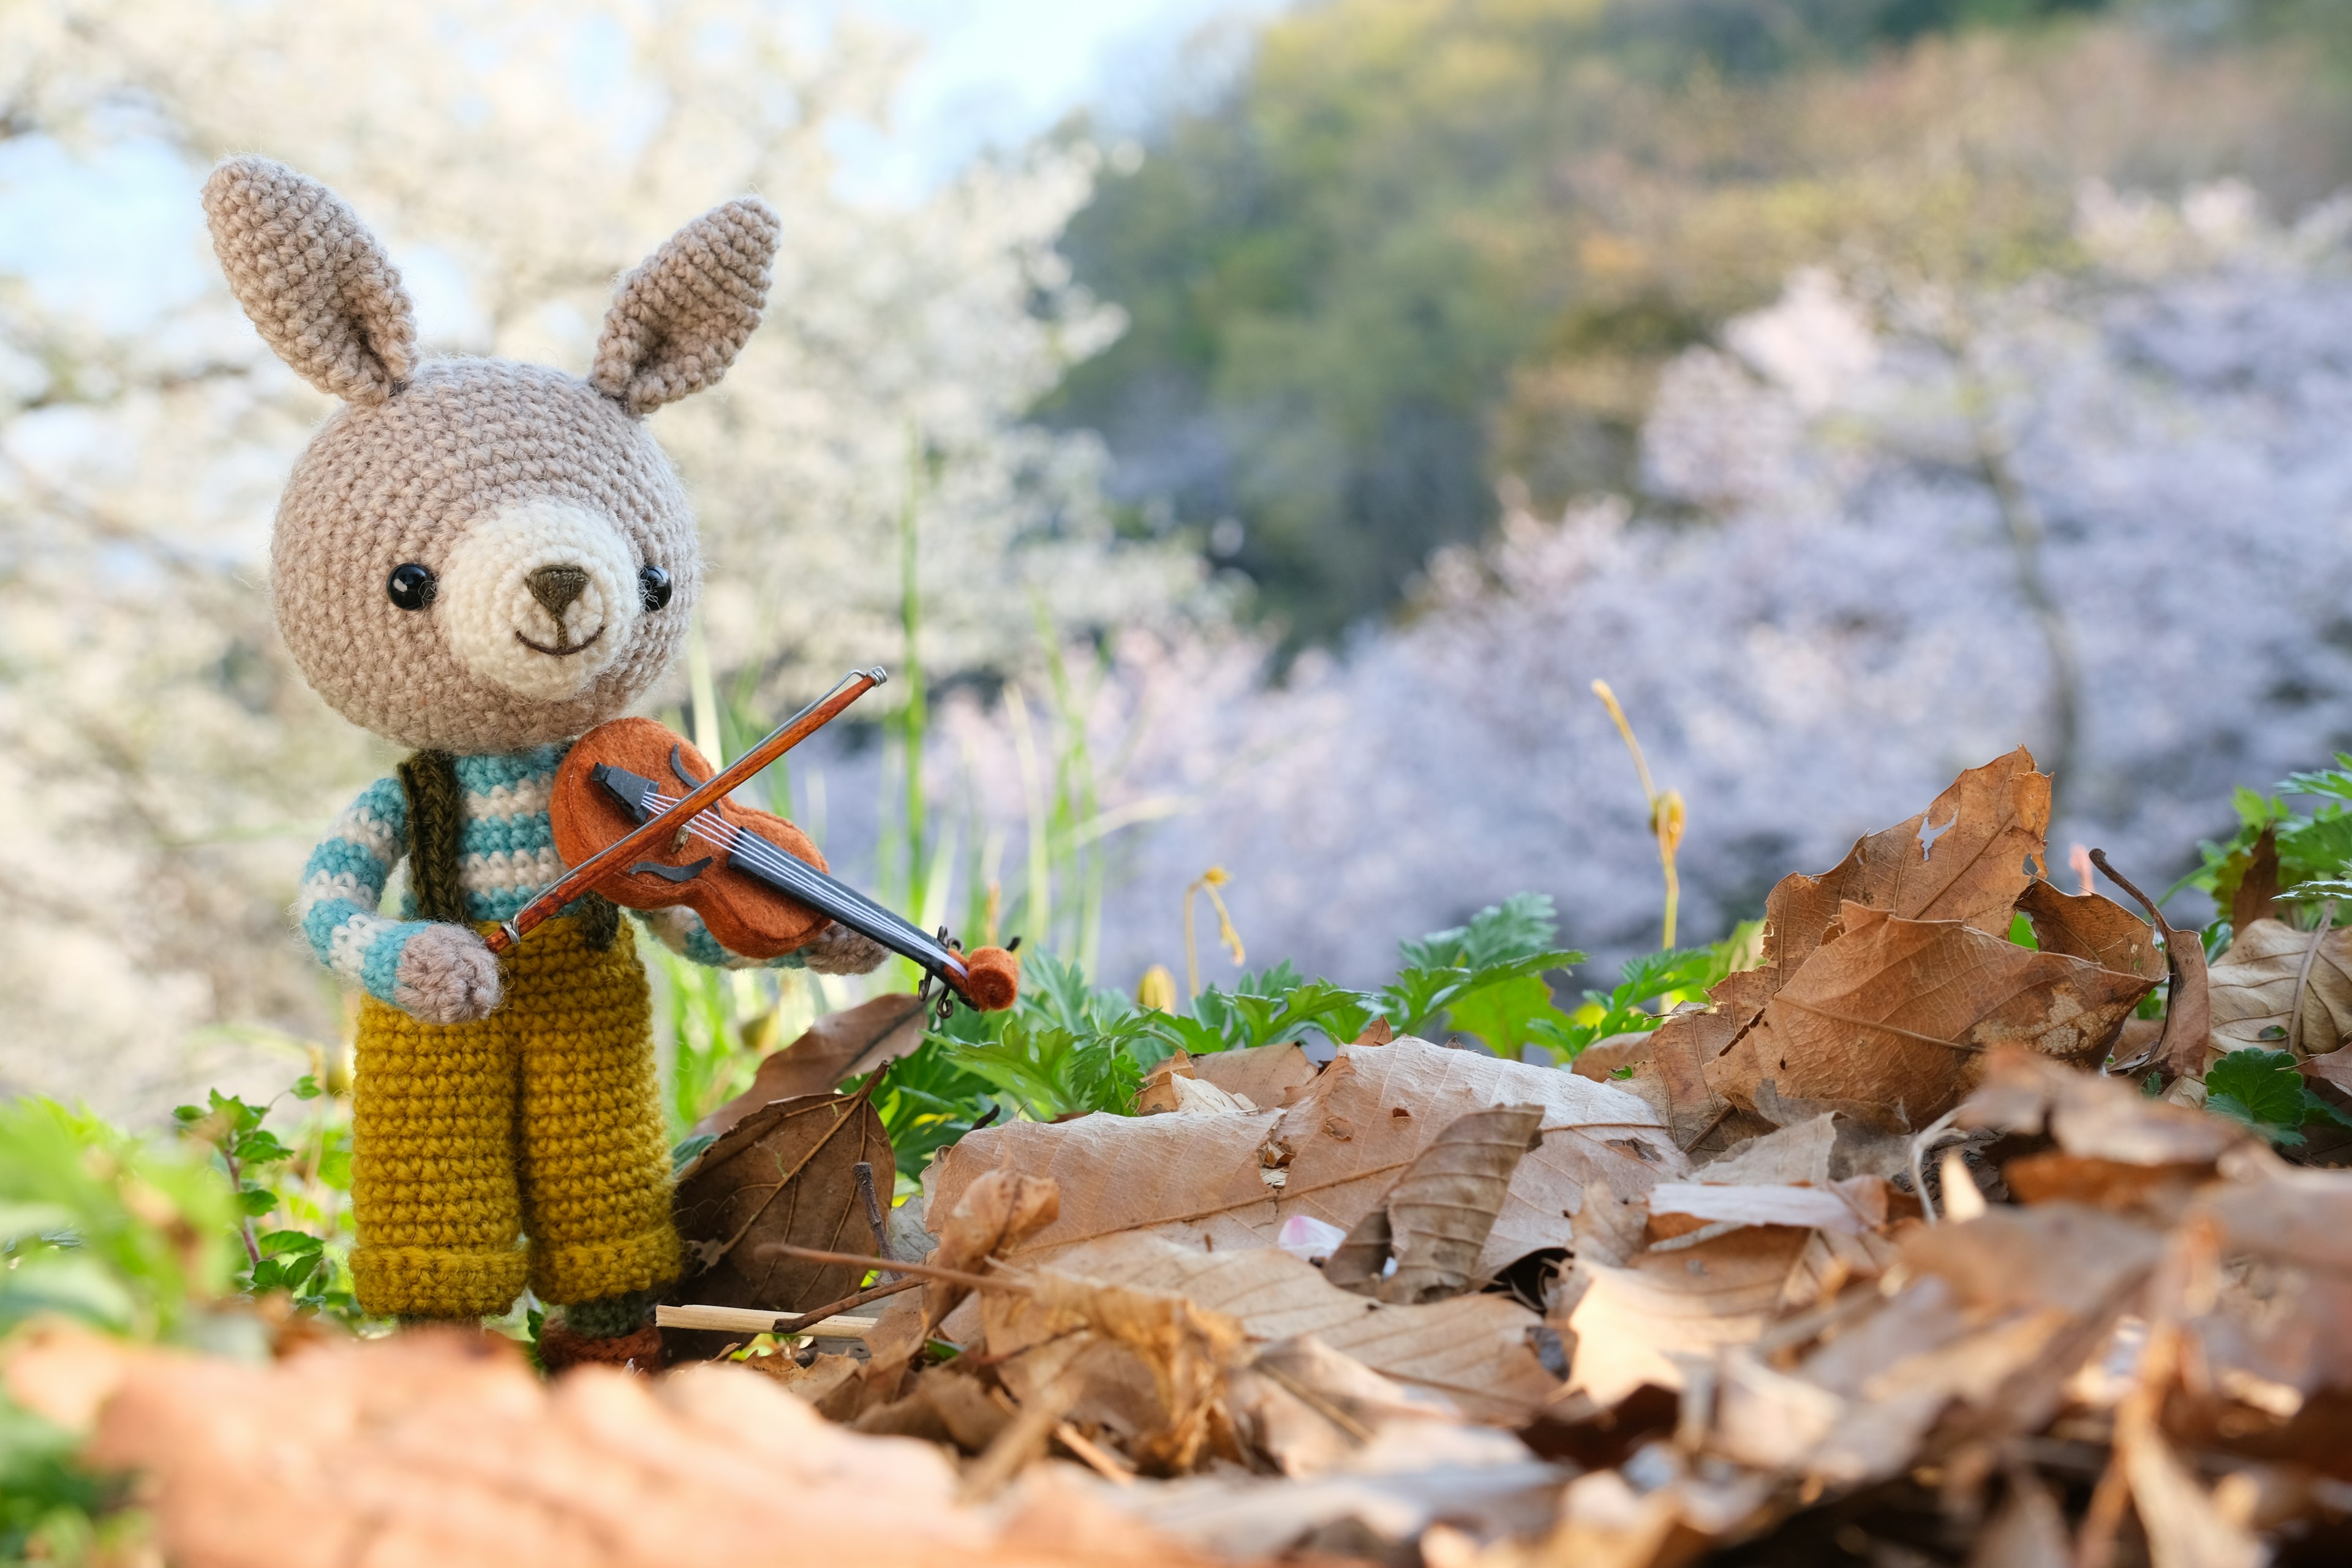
(2274, 1337)
(1349, 1136)
(1156, 1095)
(2093, 1116)
(839, 1045)
(2185, 1529)
(1967, 857)
(1600, 1060)
(2026, 1530)
(2252, 986)
(1184, 1082)
(2057, 1176)
(1798, 1154)
(1187, 1348)
(1331, 1155)
(2334, 1068)
(1899, 1012)
(2065, 1255)
(829, 1383)
(1609, 1229)
(1436, 1220)
(443, 1449)
(1682, 1047)
(1473, 1350)
(1677, 1301)
(2273, 1209)
(1113, 1173)
(1310, 1409)
(785, 1173)
(2093, 927)
(1390, 1495)
(1266, 1076)
(1603, 1522)
(944, 1406)
(995, 1213)
(2256, 894)
(1091, 1381)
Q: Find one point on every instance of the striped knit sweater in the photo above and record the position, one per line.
(507, 855)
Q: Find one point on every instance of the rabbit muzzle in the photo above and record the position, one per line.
(541, 597)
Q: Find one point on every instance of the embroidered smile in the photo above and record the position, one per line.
(560, 652)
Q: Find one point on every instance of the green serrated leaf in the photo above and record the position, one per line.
(257, 1201)
(2264, 1082)
(1519, 927)
(278, 1243)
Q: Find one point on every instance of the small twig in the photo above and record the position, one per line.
(818, 1314)
(2187, 1004)
(863, 1171)
(919, 1270)
(1919, 1146)
(2302, 978)
(1099, 1459)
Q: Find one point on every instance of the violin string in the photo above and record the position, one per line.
(791, 871)
(791, 868)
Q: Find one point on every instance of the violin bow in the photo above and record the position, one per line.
(583, 877)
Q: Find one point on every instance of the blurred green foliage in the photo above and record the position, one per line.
(115, 1232)
(1419, 252)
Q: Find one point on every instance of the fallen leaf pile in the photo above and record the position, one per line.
(1867, 1260)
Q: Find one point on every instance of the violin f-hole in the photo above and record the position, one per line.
(685, 873)
(677, 766)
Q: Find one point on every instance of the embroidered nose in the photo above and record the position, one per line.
(555, 587)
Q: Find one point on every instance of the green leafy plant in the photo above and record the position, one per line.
(1484, 977)
(1064, 1049)
(2313, 848)
(290, 1218)
(1262, 1008)
(2263, 1090)
(103, 1227)
(1625, 1008)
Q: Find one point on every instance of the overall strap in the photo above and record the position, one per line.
(437, 823)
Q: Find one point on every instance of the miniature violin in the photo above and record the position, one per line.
(641, 817)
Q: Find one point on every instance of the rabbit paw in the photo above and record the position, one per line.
(446, 976)
(837, 950)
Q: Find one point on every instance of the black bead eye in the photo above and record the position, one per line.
(653, 588)
(412, 587)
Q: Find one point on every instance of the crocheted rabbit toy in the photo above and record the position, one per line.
(482, 559)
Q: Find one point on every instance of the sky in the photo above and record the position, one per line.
(997, 72)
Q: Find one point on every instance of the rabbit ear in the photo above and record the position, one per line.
(316, 283)
(680, 319)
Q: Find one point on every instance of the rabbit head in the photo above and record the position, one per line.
(477, 554)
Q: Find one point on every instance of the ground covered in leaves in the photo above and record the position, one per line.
(1979, 1222)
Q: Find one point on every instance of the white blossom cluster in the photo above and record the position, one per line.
(165, 768)
(1822, 612)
